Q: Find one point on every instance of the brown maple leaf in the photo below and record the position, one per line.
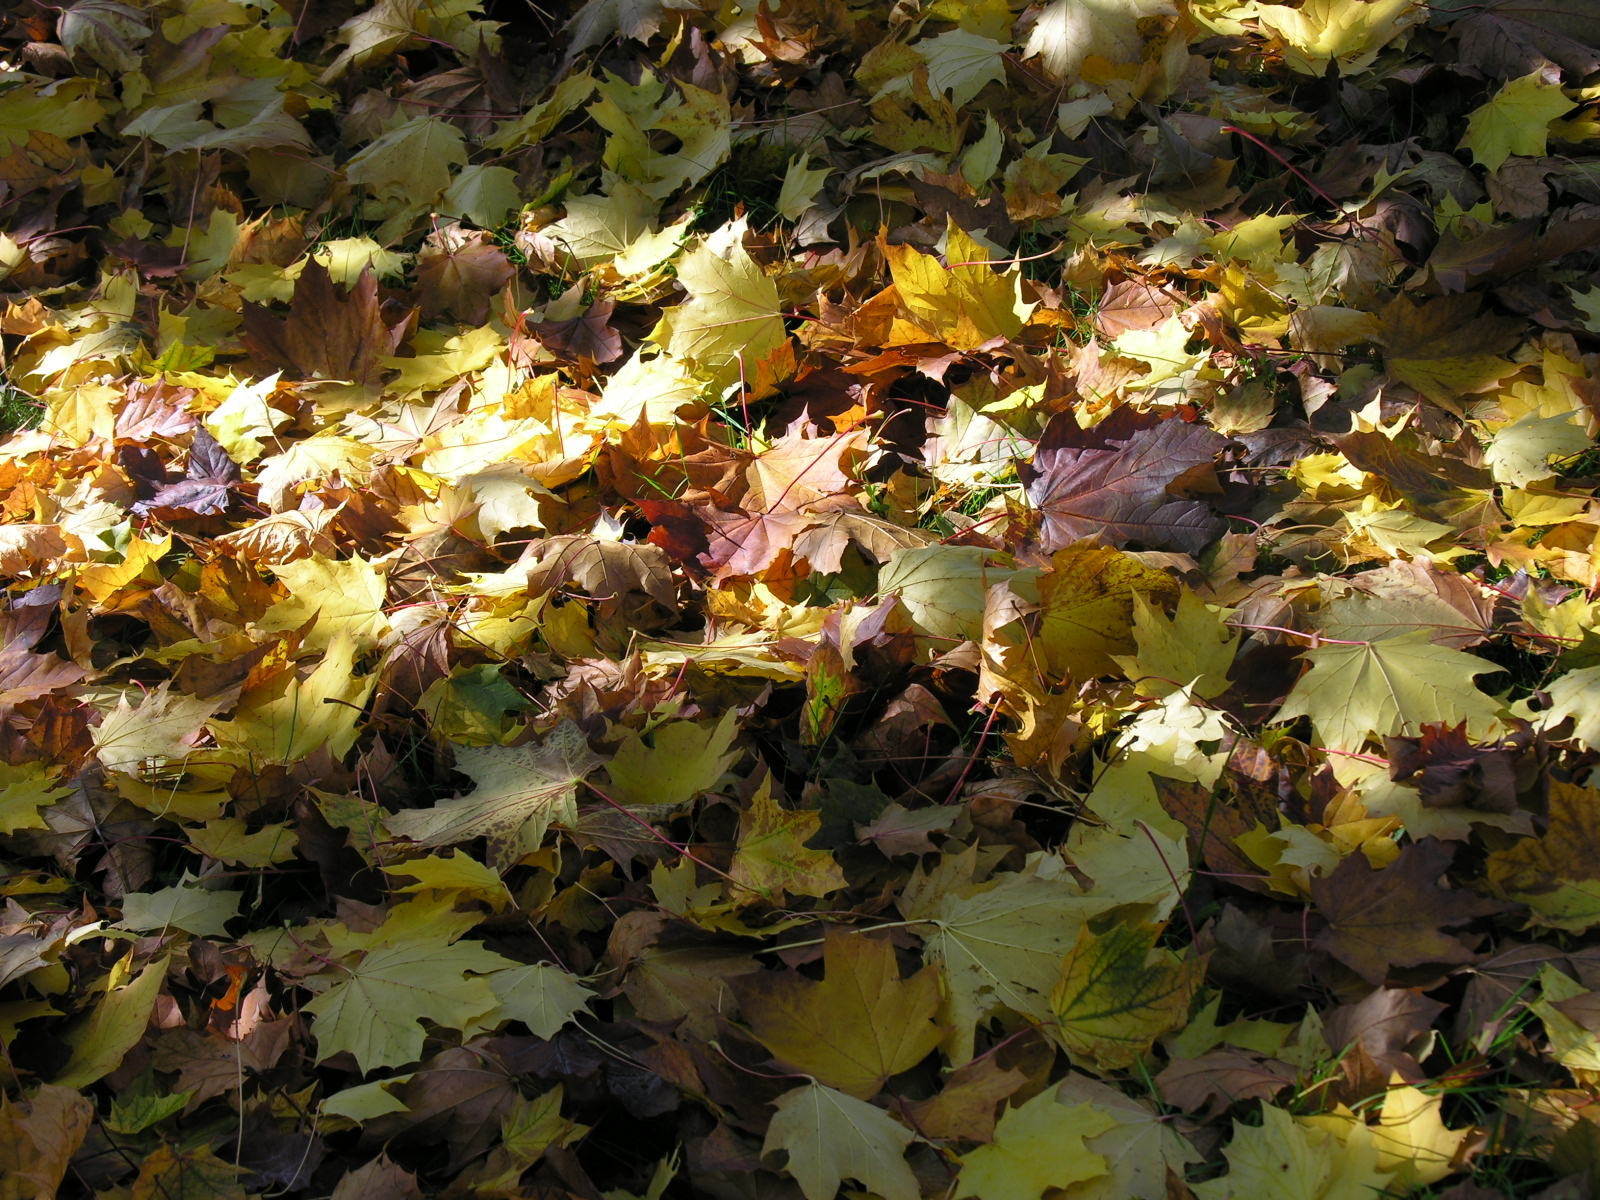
(1381, 918)
(860, 1025)
(1451, 771)
(330, 332)
(587, 337)
(1222, 1077)
(25, 675)
(458, 270)
(1124, 481)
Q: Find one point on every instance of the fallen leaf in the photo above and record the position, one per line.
(831, 1137)
(1038, 1146)
(1380, 919)
(860, 1025)
(1118, 993)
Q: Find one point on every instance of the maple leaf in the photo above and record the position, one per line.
(697, 118)
(772, 856)
(1195, 649)
(1037, 1146)
(530, 1128)
(169, 1171)
(804, 473)
(588, 336)
(802, 184)
(66, 107)
(1571, 696)
(1411, 1142)
(25, 675)
(1443, 348)
(520, 792)
(162, 726)
(1285, 1158)
(1085, 610)
(749, 543)
(1321, 32)
(998, 946)
(228, 840)
(683, 760)
(208, 488)
(380, 1177)
(192, 909)
(329, 333)
(1556, 874)
(965, 304)
(1515, 119)
(543, 997)
(338, 597)
(964, 1108)
(944, 587)
(1122, 481)
(1565, 1006)
(614, 573)
(962, 63)
(292, 717)
(617, 227)
(27, 790)
(376, 33)
(596, 20)
(41, 1134)
(374, 1008)
(1391, 686)
(730, 321)
(404, 168)
(1141, 1148)
(1217, 1079)
(1403, 597)
(485, 194)
(114, 1026)
(1520, 453)
(1118, 993)
(1070, 31)
(1515, 36)
(458, 271)
(1381, 918)
(860, 1025)
(831, 1137)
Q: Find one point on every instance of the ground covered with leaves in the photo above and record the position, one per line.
(933, 600)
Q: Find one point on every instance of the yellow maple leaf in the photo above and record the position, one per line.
(295, 717)
(861, 1024)
(161, 727)
(1556, 874)
(139, 565)
(1037, 1148)
(1285, 1157)
(1516, 120)
(964, 305)
(1193, 648)
(1411, 1142)
(685, 759)
(1162, 349)
(345, 596)
(1118, 992)
(772, 857)
(1320, 32)
(731, 316)
(1069, 31)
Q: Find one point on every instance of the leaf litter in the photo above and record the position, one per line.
(682, 600)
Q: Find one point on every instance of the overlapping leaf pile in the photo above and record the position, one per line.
(934, 600)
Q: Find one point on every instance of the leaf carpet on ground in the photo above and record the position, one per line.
(667, 600)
